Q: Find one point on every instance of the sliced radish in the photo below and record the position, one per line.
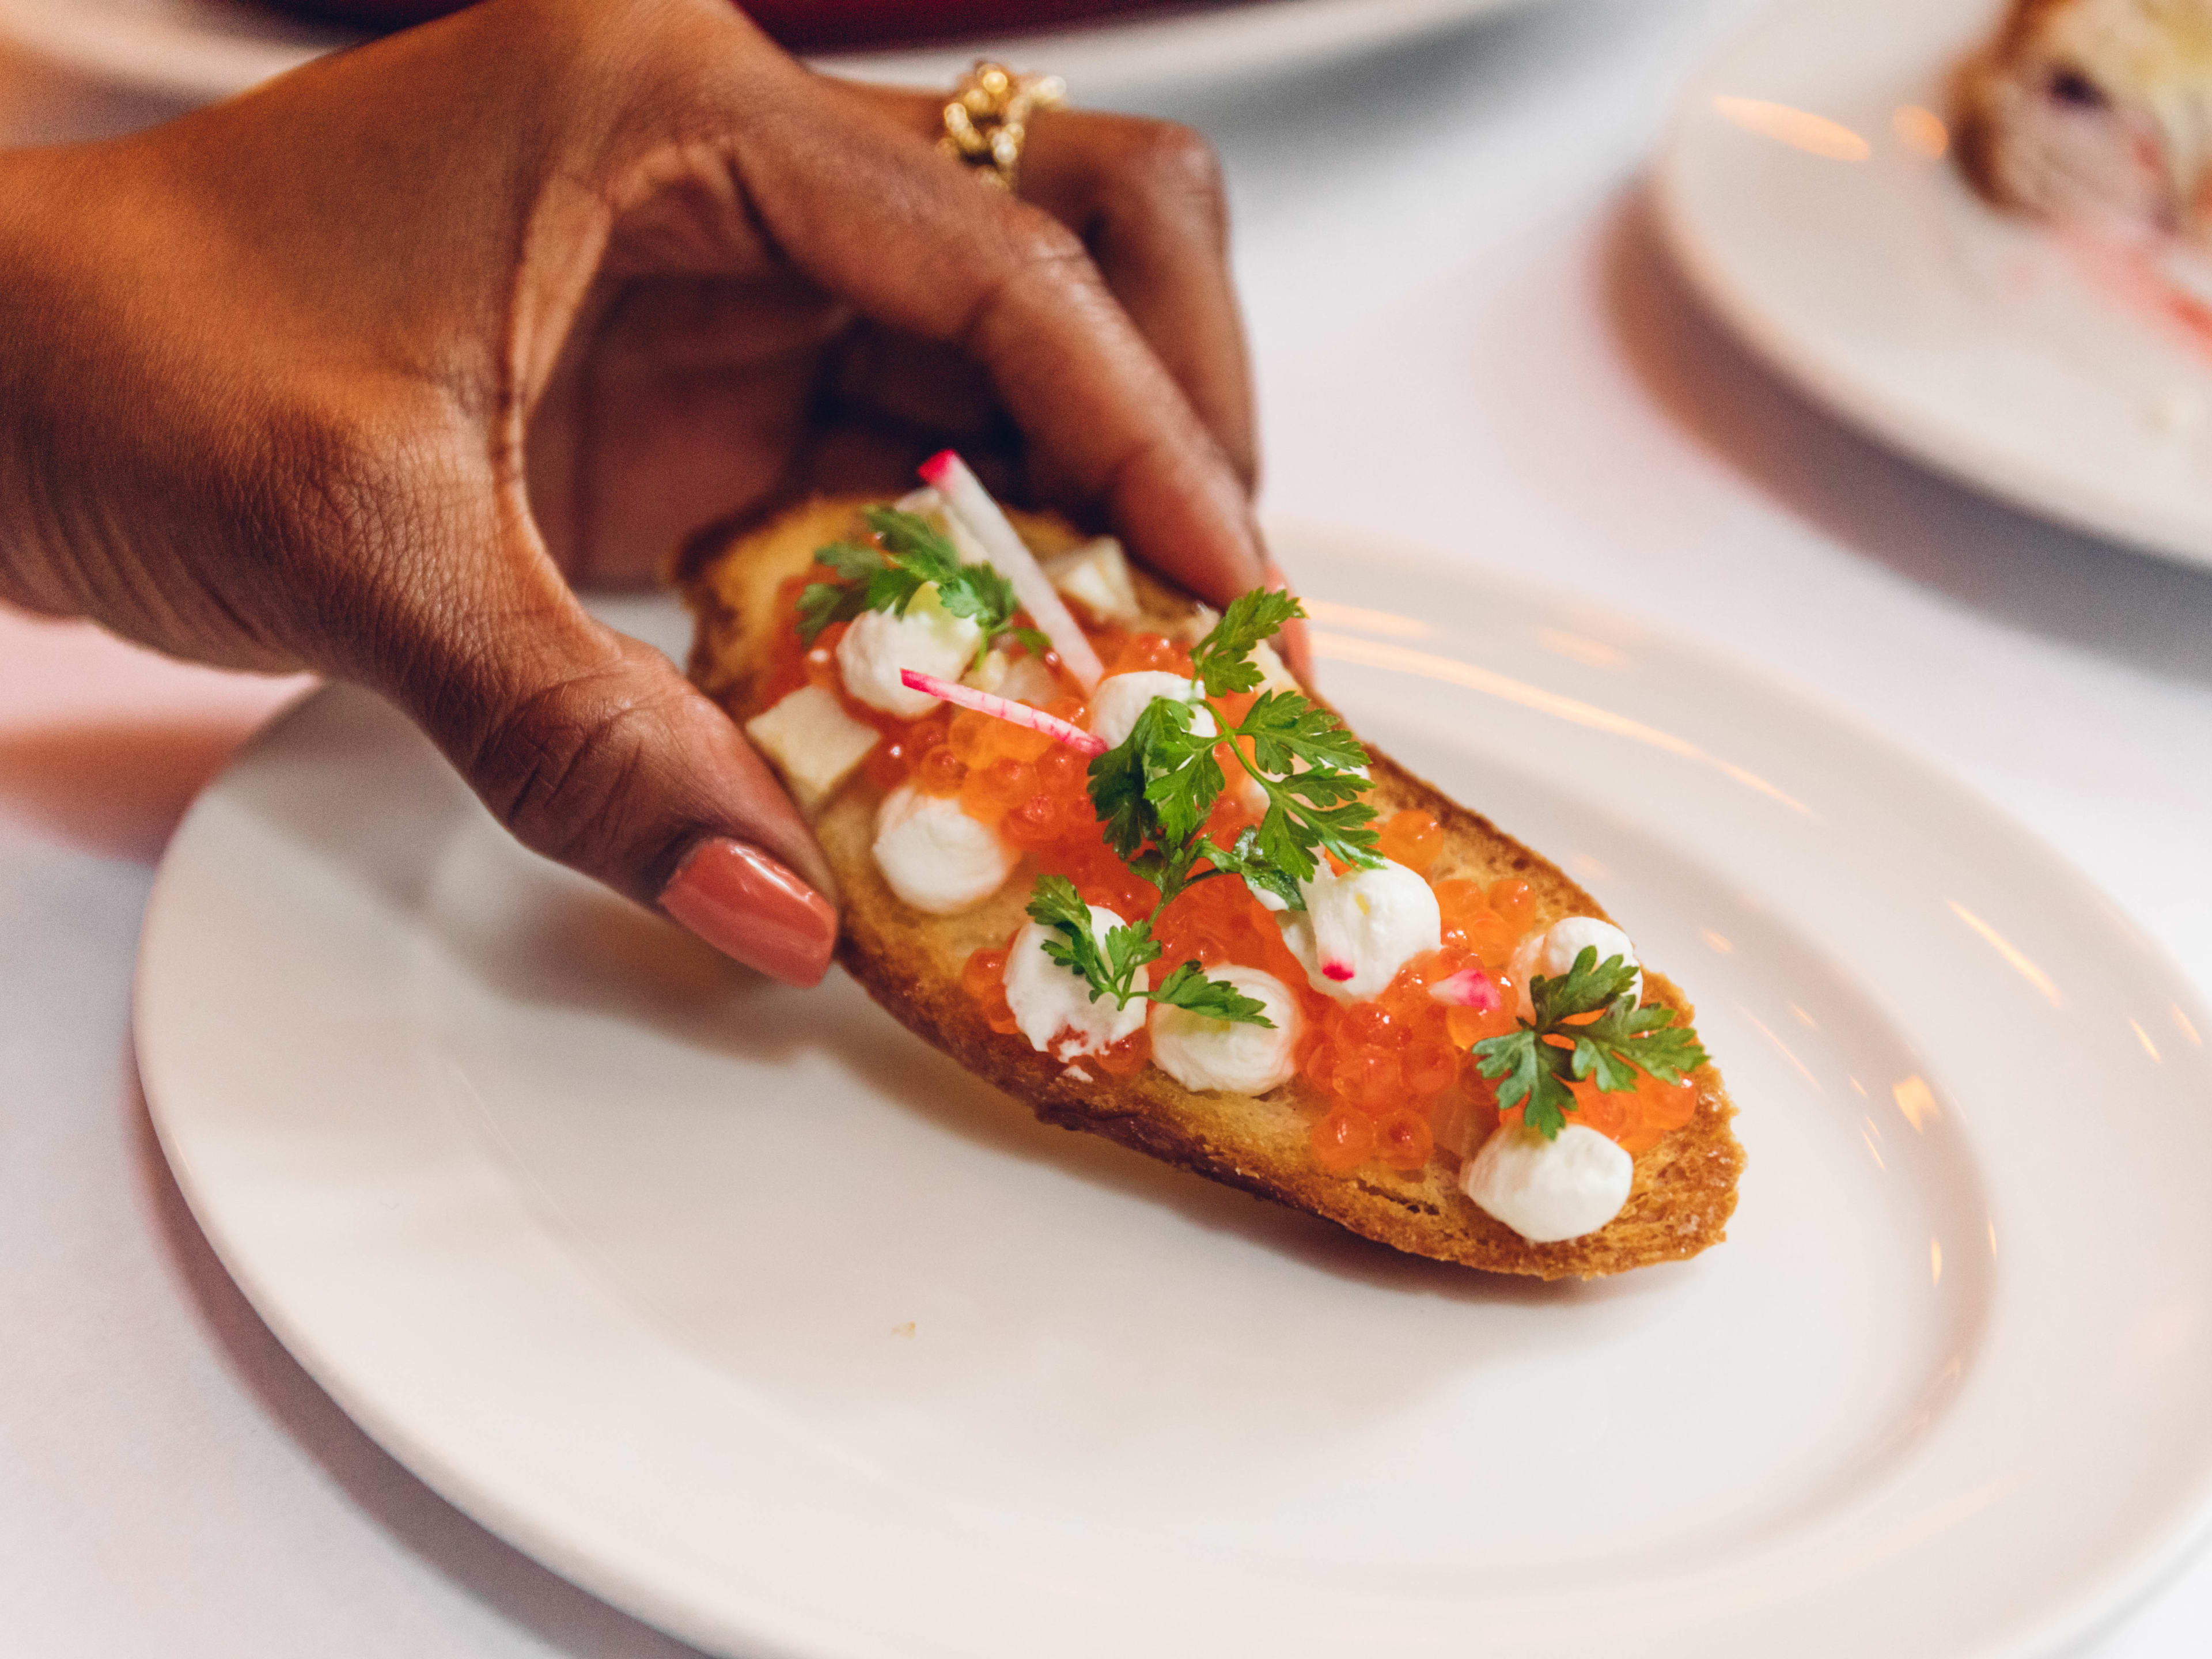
(969, 506)
(1003, 708)
(1472, 989)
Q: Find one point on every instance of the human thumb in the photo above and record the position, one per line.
(594, 750)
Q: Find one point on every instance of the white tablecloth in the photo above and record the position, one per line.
(1466, 337)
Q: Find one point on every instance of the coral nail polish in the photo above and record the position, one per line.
(749, 906)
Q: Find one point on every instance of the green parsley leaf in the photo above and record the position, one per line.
(1243, 857)
(851, 561)
(980, 591)
(914, 555)
(1110, 968)
(1214, 998)
(912, 541)
(1289, 732)
(1626, 1039)
(1107, 966)
(1531, 1070)
(1526, 1071)
(1182, 778)
(821, 603)
(1276, 840)
(1116, 782)
(1584, 988)
(1222, 661)
(1053, 902)
(1128, 947)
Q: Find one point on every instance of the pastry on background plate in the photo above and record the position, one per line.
(1096, 844)
(2095, 113)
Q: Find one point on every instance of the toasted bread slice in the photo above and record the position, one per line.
(1685, 1187)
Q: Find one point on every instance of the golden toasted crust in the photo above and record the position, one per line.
(1685, 1189)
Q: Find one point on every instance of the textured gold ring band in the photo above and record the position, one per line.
(987, 120)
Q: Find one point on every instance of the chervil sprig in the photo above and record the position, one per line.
(1222, 661)
(911, 554)
(1532, 1065)
(1154, 792)
(1110, 966)
(1311, 770)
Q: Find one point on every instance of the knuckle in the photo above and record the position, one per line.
(560, 765)
(1036, 241)
(1181, 158)
(1174, 166)
(1044, 267)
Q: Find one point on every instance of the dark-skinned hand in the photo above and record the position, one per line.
(355, 372)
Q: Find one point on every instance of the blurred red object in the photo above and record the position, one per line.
(821, 25)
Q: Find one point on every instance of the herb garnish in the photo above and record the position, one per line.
(912, 555)
(1154, 792)
(1621, 1041)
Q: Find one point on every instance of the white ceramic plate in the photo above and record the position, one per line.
(1864, 269)
(743, 1308)
(200, 49)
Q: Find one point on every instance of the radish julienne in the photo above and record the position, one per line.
(967, 500)
(1004, 709)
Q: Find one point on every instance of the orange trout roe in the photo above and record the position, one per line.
(1411, 838)
(1387, 1081)
(984, 978)
(1125, 653)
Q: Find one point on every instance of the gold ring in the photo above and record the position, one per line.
(988, 119)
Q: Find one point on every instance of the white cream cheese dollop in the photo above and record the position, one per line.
(1361, 927)
(1120, 698)
(1552, 953)
(1204, 1054)
(1549, 1190)
(928, 638)
(1051, 1006)
(936, 857)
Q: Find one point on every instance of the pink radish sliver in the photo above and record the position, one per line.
(969, 504)
(1003, 708)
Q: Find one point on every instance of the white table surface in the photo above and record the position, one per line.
(1467, 337)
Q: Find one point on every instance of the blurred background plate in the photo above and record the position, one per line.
(196, 51)
(753, 1314)
(1808, 193)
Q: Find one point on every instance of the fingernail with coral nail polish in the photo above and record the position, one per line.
(748, 906)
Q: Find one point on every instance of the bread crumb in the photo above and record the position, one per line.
(906, 1329)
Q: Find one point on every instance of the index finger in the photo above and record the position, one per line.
(869, 209)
